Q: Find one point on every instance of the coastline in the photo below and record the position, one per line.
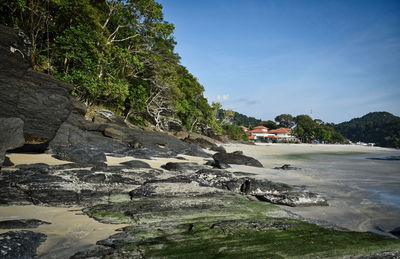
(325, 169)
(349, 207)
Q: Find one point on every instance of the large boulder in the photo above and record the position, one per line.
(75, 143)
(41, 101)
(236, 158)
(11, 135)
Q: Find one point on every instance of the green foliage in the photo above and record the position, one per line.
(235, 132)
(381, 128)
(240, 119)
(117, 53)
(308, 130)
(285, 121)
(269, 124)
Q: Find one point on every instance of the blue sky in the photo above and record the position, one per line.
(263, 58)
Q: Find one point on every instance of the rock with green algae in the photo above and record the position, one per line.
(224, 225)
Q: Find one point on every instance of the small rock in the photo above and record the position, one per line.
(286, 167)
(136, 164)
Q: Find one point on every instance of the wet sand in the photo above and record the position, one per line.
(341, 173)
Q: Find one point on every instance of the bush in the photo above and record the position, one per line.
(235, 132)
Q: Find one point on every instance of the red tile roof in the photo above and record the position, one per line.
(258, 131)
(280, 130)
(260, 127)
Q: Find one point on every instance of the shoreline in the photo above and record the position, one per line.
(349, 207)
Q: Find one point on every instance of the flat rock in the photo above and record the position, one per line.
(21, 223)
(20, 244)
(286, 167)
(136, 164)
(182, 166)
(236, 158)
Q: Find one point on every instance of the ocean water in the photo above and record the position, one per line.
(380, 178)
(362, 193)
(367, 189)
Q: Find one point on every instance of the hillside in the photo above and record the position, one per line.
(240, 119)
(382, 128)
(117, 54)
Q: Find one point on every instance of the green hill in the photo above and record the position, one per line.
(240, 119)
(382, 128)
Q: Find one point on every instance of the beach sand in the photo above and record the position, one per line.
(349, 206)
(70, 230)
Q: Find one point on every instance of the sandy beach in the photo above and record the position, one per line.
(330, 170)
(70, 230)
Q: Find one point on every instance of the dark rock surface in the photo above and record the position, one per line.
(83, 142)
(286, 167)
(236, 158)
(219, 149)
(11, 135)
(396, 231)
(20, 244)
(7, 162)
(32, 148)
(136, 164)
(41, 101)
(21, 223)
(182, 166)
(97, 252)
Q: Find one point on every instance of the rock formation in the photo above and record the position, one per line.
(51, 115)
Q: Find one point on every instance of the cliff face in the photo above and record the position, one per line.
(41, 101)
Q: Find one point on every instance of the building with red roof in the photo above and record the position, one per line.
(262, 133)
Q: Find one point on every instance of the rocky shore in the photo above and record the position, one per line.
(180, 209)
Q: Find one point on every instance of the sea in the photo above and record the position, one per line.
(366, 187)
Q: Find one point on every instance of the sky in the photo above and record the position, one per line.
(337, 59)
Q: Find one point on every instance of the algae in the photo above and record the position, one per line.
(228, 225)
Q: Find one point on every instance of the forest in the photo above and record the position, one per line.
(381, 128)
(118, 54)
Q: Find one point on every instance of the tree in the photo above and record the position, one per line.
(117, 53)
(305, 128)
(269, 124)
(285, 120)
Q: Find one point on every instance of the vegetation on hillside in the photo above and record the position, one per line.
(117, 53)
(382, 128)
(239, 119)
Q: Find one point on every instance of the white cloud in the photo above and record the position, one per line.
(223, 97)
